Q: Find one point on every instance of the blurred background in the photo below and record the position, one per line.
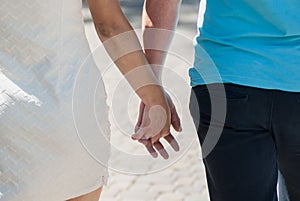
(133, 11)
(182, 177)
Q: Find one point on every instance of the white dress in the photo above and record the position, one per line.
(54, 128)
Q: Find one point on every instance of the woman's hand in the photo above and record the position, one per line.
(153, 123)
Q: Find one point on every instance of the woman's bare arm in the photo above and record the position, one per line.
(123, 46)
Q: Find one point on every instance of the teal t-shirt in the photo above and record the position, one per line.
(249, 42)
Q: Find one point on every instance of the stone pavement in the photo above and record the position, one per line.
(181, 178)
(184, 181)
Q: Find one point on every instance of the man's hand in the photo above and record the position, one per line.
(159, 21)
(154, 124)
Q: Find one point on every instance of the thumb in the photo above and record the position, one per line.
(139, 134)
(140, 117)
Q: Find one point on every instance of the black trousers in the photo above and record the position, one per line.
(260, 135)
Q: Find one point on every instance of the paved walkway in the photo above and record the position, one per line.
(184, 181)
(182, 178)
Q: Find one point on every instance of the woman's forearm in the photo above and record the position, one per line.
(123, 46)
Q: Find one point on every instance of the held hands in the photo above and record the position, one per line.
(154, 122)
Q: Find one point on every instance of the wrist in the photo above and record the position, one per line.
(152, 95)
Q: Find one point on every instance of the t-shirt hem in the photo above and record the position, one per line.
(244, 81)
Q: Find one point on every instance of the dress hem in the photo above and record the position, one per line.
(99, 183)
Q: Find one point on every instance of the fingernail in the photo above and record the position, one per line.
(180, 128)
(154, 155)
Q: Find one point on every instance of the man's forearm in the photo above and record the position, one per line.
(160, 19)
